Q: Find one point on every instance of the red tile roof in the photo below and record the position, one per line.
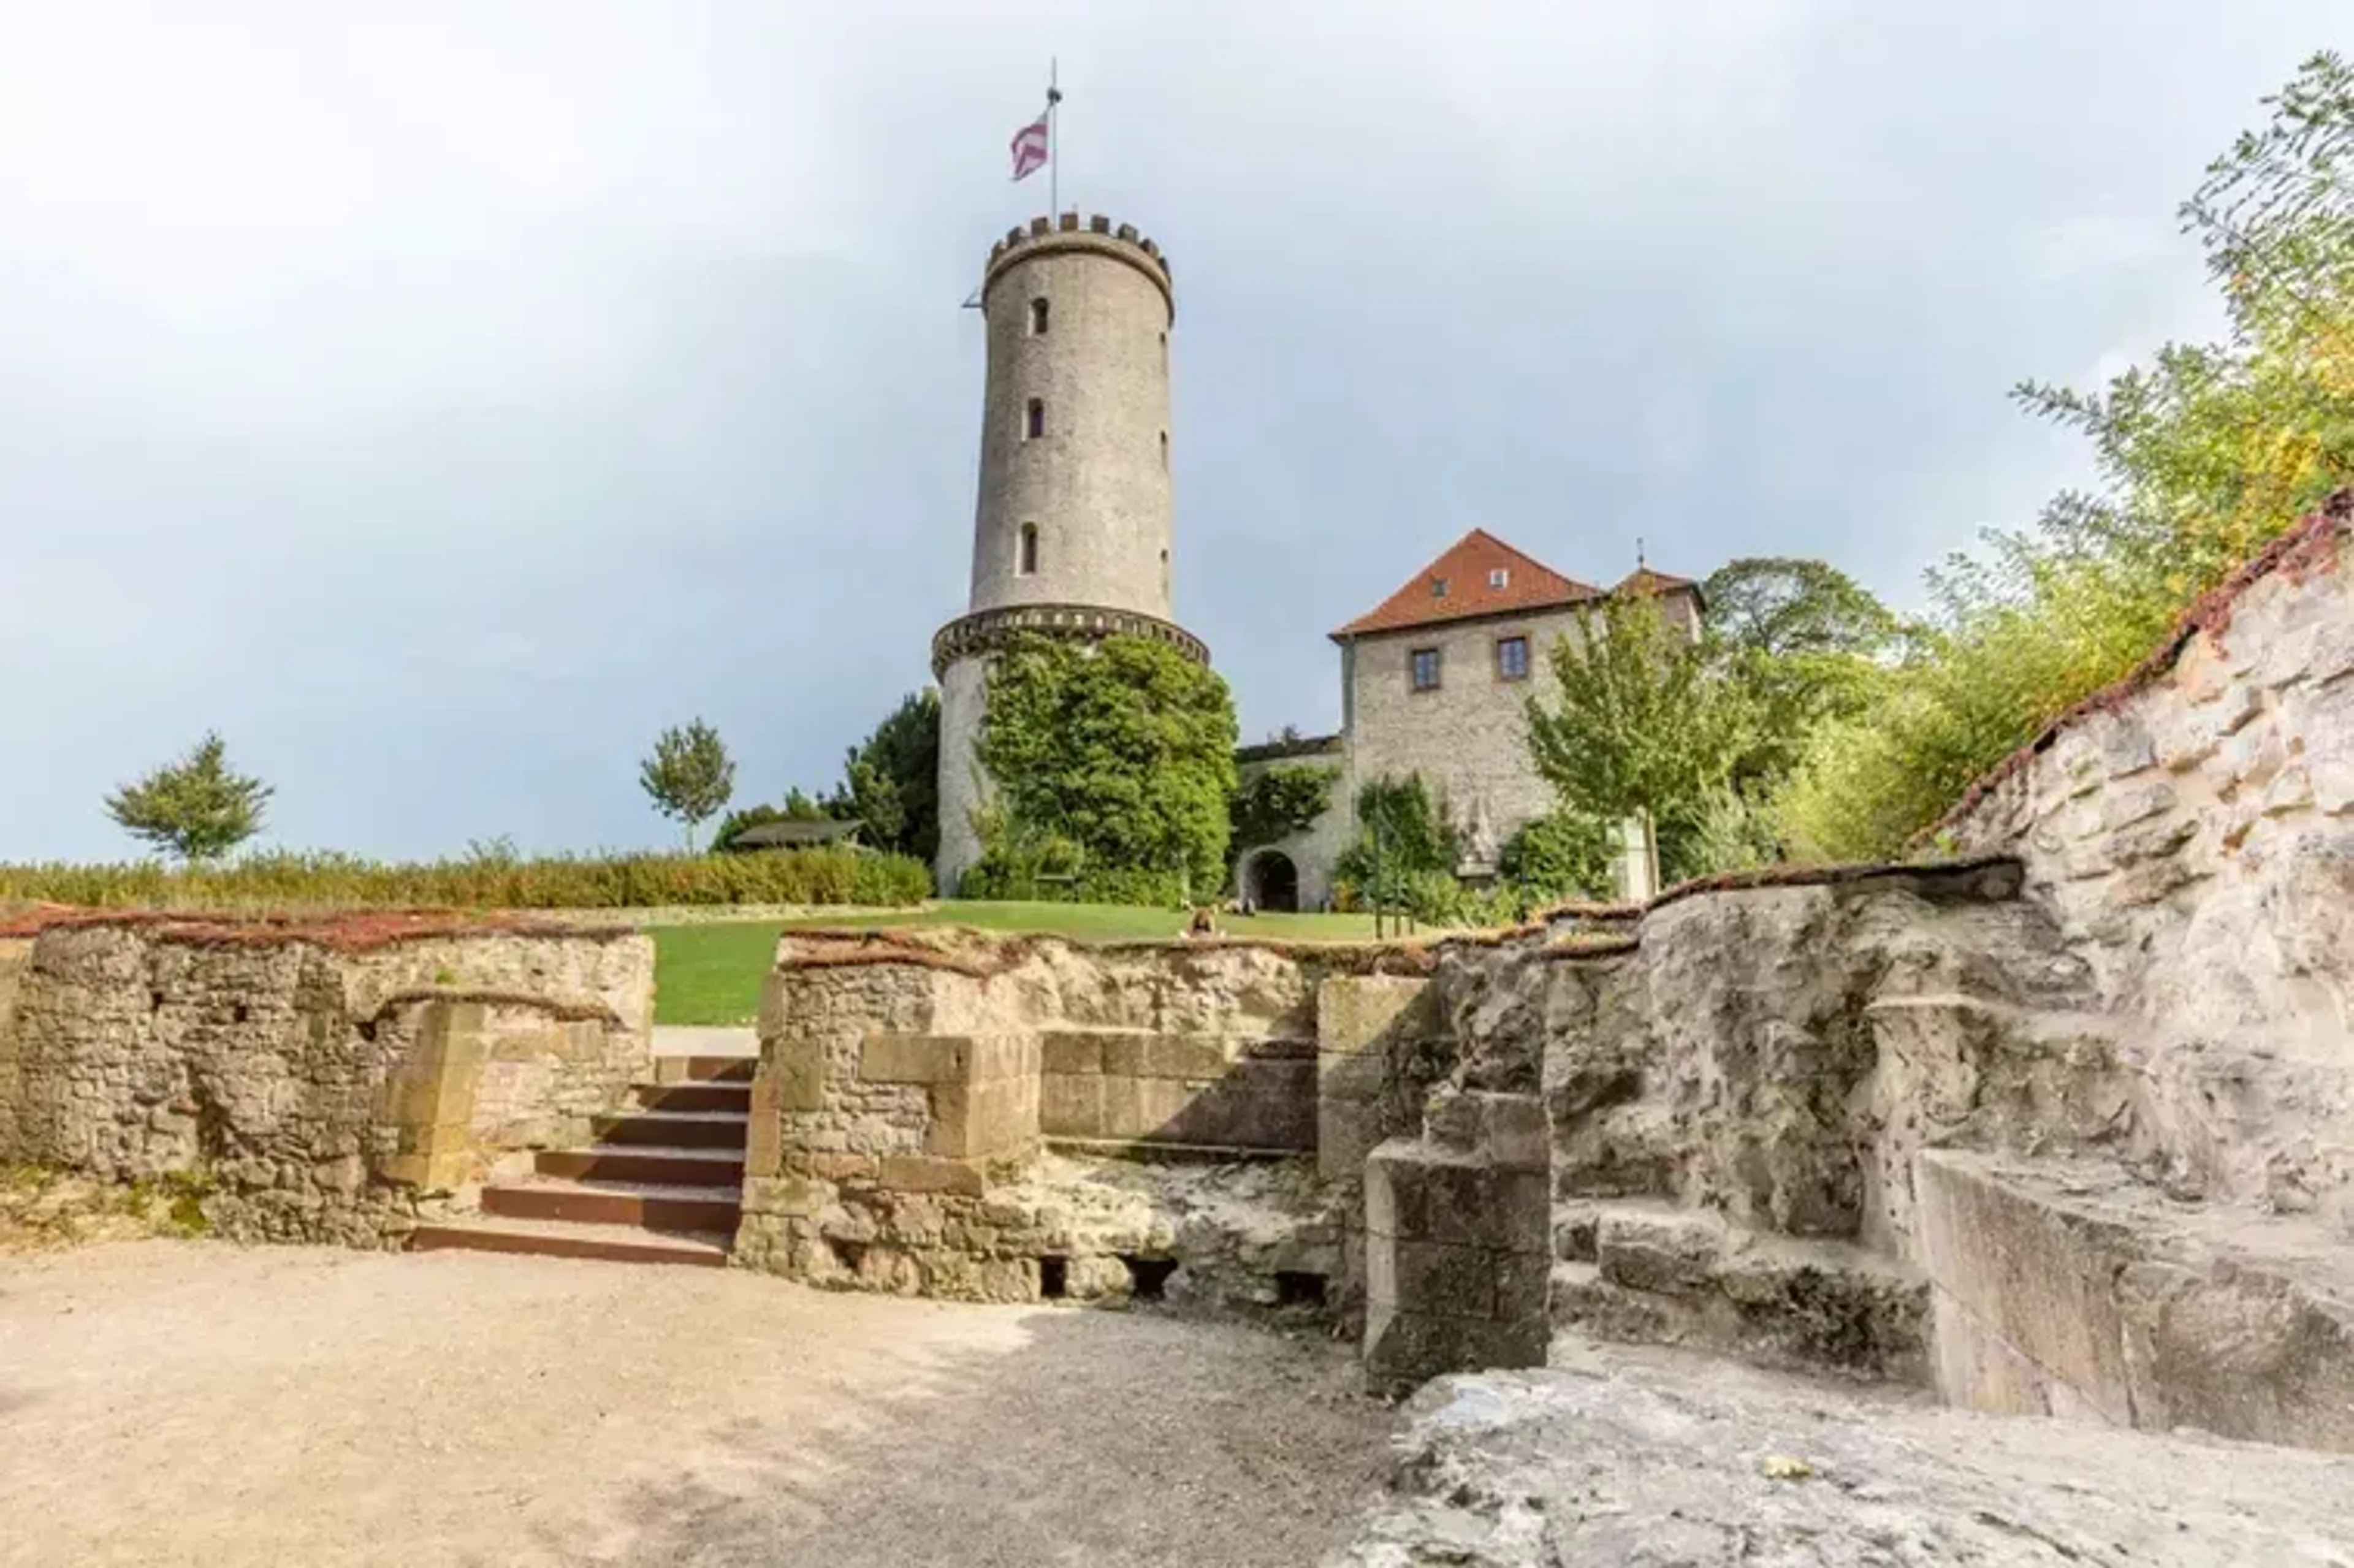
(1643, 580)
(1466, 568)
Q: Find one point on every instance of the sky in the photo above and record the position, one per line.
(440, 400)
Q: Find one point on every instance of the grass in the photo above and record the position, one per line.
(710, 973)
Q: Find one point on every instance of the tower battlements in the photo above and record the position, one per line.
(1093, 233)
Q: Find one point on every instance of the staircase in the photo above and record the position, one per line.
(662, 1183)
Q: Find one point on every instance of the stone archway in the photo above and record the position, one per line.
(1270, 880)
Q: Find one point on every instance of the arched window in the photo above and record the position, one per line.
(1034, 419)
(1028, 560)
(1038, 317)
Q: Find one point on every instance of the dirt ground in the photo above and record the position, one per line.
(191, 1403)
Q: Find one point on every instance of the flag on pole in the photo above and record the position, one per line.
(1030, 148)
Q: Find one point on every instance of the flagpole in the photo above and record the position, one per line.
(1054, 150)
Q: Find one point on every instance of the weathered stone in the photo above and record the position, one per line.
(1665, 1461)
(1668, 1253)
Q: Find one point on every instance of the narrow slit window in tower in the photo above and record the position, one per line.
(1164, 449)
(1165, 353)
(1034, 419)
(1029, 558)
(1038, 318)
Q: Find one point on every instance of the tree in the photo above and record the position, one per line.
(1644, 722)
(1563, 855)
(2203, 455)
(1123, 749)
(1805, 641)
(196, 808)
(891, 781)
(690, 774)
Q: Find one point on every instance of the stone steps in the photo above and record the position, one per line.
(1649, 1273)
(547, 1238)
(664, 1183)
(2074, 1287)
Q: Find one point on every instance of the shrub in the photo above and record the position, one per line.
(1564, 855)
(301, 883)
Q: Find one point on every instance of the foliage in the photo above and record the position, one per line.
(1417, 848)
(316, 882)
(197, 808)
(1644, 720)
(1284, 799)
(1731, 831)
(1803, 643)
(690, 774)
(1121, 751)
(1021, 864)
(1562, 855)
(2203, 455)
(798, 807)
(891, 779)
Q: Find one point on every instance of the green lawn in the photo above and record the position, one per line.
(711, 973)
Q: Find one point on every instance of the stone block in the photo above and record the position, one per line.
(1669, 1253)
(1416, 1192)
(1071, 1051)
(1071, 1104)
(1355, 1012)
(2034, 1276)
(793, 1065)
(1145, 1108)
(1350, 1075)
(1432, 1279)
(946, 1058)
(1403, 1349)
(1347, 1130)
(783, 1197)
(1165, 1056)
(927, 1173)
(977, 1119)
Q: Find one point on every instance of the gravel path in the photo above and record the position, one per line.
(177, 1403)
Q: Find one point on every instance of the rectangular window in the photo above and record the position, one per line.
(1035, 421)
(1439, 588)
(1499, 577)
(1037, 318)
(1425, 669)
(1512, 657)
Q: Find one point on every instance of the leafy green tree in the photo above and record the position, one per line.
(690, 774)
(1123, 749)
(891, 779)
(196, 808)
(1805, 643)
(1277, 802)
(1644, 721)
(2202, 455)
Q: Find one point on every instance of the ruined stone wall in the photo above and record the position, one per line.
(322, 1080)
(1012, 1119)
(2192, 830)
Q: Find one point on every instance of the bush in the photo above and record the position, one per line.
(1560, 856)
(832, 875)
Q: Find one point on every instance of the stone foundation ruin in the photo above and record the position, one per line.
(2059, 1123)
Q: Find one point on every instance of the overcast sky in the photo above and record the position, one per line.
(441, 397)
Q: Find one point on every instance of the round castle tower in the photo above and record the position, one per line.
(1073, 530)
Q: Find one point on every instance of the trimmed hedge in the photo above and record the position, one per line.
(832, 875)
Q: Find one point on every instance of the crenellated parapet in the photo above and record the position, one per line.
(986, 630)
(1094, 234)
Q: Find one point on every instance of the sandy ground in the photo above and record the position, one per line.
(190, 1402)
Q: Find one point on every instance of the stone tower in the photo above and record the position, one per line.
(1072, 533)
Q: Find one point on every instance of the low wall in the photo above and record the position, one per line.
(943, 1115)
(2191, 832)
(322, 1080)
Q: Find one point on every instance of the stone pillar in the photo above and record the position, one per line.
(1458, 1228)
(429, 1099)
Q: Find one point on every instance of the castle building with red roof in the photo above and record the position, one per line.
(1435, 682)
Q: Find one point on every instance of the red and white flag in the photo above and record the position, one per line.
(1030, 148)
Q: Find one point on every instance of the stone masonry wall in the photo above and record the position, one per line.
(2192, 834)
(323, 1081)
(960, 1117)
